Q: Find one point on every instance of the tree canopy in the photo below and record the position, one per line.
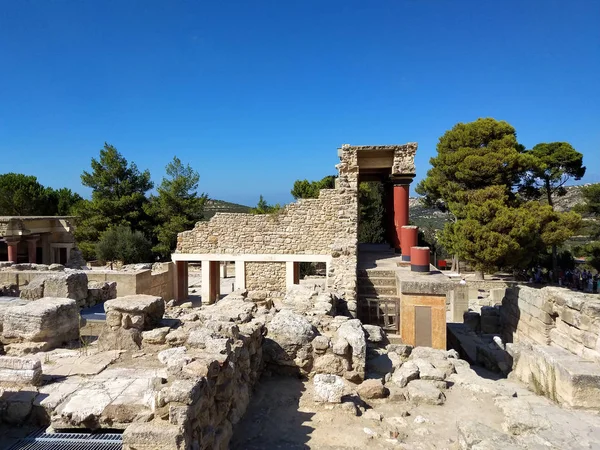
(311, 189)
(120, 243)
(477, 174)
(262, 207)
(118, 198)
(177, 207)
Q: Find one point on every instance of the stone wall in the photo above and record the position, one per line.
(553, 316)
(267, 278)
(327, 225)
(209, 384)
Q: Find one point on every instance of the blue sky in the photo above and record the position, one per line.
(256, 94)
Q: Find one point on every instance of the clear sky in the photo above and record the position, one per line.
(256, 94)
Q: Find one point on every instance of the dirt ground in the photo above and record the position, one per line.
(283, 415)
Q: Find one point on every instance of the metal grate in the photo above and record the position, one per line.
(384, 312)
(40, 440)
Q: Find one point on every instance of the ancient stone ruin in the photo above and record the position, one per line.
(359, 358)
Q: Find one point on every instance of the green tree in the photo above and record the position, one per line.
(311, 189)
(118, 197)
(472, 156)
(371, 213)
(262, 207)
(591, 208)
(555, 163)
(120, 243)
(65, 200)
(23, 195)
(177, 207)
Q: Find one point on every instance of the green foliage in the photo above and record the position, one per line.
(65, 201)
(591, 207)
(177, 207)
(592, 253)
(371, 213)
(553, 165)
(310, 189)
(118, 198)
(122, 244)
(262, 207)
(473, 156)
(23, 195)
(475, 176)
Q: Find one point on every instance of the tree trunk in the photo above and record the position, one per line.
(455, 264)
(479, 275)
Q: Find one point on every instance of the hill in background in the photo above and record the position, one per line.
(211, 207)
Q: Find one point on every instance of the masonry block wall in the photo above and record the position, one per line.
(553, 316)
(327, 225)
(266, 278)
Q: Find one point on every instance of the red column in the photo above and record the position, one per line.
(32, 250)
(409, 235)
(296, 273)
(419, 259)
(401, 192)
(180, 280)
(12, 250)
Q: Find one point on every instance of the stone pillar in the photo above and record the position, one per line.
(181, 280)
(292, 274)
(401, 202)
(419, 259)
(459, 303)
(211, 282)
(12, 249)
(409, 235)
(32, 249)
(240, 275)
(224, 269)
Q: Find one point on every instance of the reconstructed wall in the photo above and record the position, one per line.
(557, 337)
(266, 276)
(553, 316)
(157, 282)
(327, 225)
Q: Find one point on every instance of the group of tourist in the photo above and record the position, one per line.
(582, 280)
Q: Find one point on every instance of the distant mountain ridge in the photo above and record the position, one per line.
(211, 207)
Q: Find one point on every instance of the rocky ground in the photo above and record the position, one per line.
(478, 413)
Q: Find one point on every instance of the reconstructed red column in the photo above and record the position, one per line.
(32, 250)
(12, 250)
(409, 236)
(419, 259)
(401, 192)
(181, 280)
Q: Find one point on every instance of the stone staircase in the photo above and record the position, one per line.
(378, 299)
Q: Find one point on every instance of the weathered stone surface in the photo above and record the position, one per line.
(20, 371)
(330, 364)
(353, 333)
(423, 391)
(155, 336)
(375, 334)
(328, 388)
(427, 371)
(559, 375)
(67, 285)
(405, 374)
(137, 311)
(288, 333)
(34, 290)
(51, 320)
(478, 436)
(370, 389)
(519, 418)
(230, 309)
(101, 291)
(119, 339)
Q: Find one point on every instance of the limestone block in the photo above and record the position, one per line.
(375, 334)
(427, 371)
(405, 374)
(148, 307)
(559, 375)
(287, 333)
(328, 388)
(67, 285)
(155, 435)
(353, 333)
(100, 291)
(476, 435)
(321, 344)
(370, 389)
(20, 370)
(116, 338)
(330, 364)
(425, 392)
(52, 320)
(34, 290)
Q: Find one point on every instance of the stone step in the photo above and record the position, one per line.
(377, 290)
(376, 281)
(379, 273)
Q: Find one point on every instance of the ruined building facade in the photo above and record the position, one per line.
(267, 249)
